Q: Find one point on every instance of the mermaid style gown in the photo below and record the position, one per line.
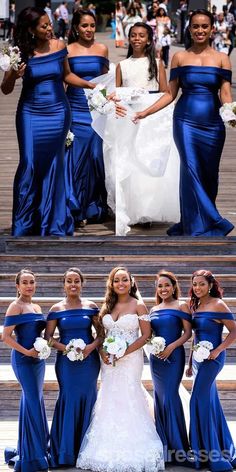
(169, 414)
(42, 122)
(78, 388)
(85, 175)
(209, 432)
(122, 435)
(199, 135)
(29, 371)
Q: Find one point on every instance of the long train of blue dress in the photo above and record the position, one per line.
(199, 135)
(33, 429)
(169, 414)
(210, 438)
(85, 175)
(78, 388)
(42, 122)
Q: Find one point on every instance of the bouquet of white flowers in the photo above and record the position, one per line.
(97, 100)
(228, 114)
(116, 347)
(71, 350)
(156, 345)
(10, 58)
(69, 138)
(42, 347)
(201, 350)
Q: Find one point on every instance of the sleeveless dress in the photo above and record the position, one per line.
(78, 387)
(199, 134)
(85, 177)
(147, 160)
(167, 376)
(122, 431)
(42, 122)
(209, 432)
(31, 454)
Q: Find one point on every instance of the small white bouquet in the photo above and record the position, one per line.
(97, 100)
(201, 350)
(42, 347)
(69, 138)
(115, 346)
(71, 350)
(10, 58)
(228, 114)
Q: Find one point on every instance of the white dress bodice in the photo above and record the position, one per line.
(127, 326)
(135, 73)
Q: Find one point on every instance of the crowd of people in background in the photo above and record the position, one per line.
(167, 25)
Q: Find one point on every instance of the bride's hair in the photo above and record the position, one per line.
(27, 19)
(76, 19)
(111, 297)
(215, 291)
(172, 278)
(150, 50)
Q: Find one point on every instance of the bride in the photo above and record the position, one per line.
(147, 162)
(122, 431)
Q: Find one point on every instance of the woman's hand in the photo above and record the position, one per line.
(121, 111)
(20, 71)
(139, 116)
(86, 351)
(105, 357)
(32, 352)
(213, 354)
(166, 353)
(189, 371)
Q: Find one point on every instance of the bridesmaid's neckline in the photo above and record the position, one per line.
(200, 67)
(48, 54)
(74, 309)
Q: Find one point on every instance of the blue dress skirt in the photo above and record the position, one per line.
(210, 437)
(169, 414)
(85, 174)
(42, 122)
(78, 388)
(199, 135)
(33, 429)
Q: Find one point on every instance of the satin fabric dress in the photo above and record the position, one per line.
(199, 135)
(78, 387)
(85, 175)
(33, 429)
(208, 427)
(42, 122)
(167, 375)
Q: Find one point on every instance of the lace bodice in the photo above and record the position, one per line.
(126, 326)
(135, 73)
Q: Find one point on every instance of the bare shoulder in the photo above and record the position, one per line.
(177, 59)
(141, 308)
(89, 304)
(57, 307)
(72, 49)
(225, 61)
(154, 308)
(183, 306)
(14, 309)
(57, 44)
(37, 308)
(102, 48)
(220, 306)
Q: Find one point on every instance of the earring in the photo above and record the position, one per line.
(209, 291)
(33, 36)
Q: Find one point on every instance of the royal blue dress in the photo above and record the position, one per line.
(209, 433)
(199, 135)
(168, 409)
(33, 429)
(78, 387)
(42, 122)
(85, 175)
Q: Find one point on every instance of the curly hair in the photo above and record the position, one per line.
(174, 282)
(77, 16)
(111, 297)
(27, 19)
(77, 271)
(215, 291)
(150, 50)
(19, 275)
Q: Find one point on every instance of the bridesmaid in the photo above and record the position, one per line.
(42, 122)
(210, 438)
(85, 176)
(74, 318)
(25, 318)
(199, 132)
(170, 319)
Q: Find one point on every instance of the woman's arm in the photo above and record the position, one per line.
(49, 332)
(163, 87)
(187, 333)
(10, 77)
(72, 79)
(145, 327)
(225, 89)
(99, 338)
(231, 326)
(118, 76)
(7, 338)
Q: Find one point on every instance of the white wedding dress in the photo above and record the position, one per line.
(147, 161)
(122, 436)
